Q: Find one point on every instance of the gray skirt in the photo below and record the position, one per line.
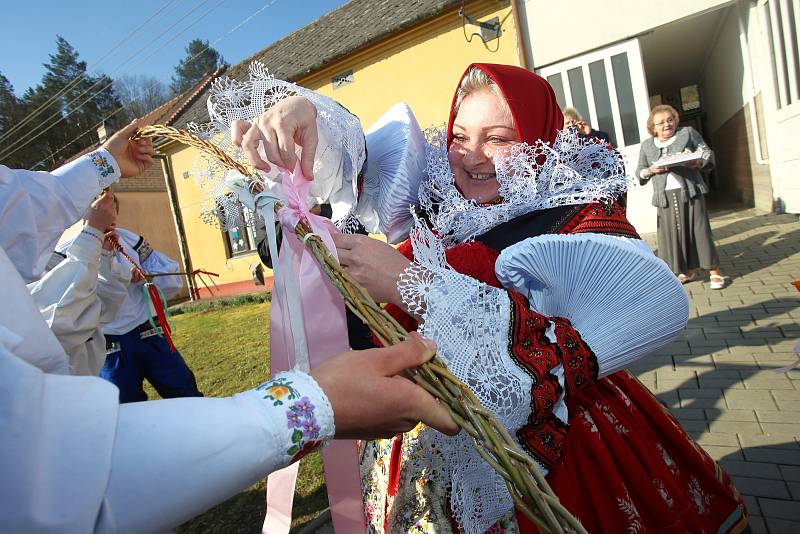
(684, 233)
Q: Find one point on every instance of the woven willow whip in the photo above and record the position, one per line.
(530, 491)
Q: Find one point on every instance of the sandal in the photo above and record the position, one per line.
(683, 279)
(716, 281)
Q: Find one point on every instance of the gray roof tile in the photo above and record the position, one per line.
(327, 39)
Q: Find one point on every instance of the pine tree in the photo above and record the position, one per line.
(75, 104)
(201, 59)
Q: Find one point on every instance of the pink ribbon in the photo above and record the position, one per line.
(323, 312)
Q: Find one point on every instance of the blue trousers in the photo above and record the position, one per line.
(148, 358)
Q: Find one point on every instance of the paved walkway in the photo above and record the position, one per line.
(719, 380)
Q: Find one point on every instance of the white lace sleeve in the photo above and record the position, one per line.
(340, 152)
(470, 322)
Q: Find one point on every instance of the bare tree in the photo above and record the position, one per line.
(140, 94)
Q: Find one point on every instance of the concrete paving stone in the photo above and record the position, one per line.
(785, 429)
(793, 406)
(777, 456)
(715, 439)
(668, 373)
(769, 441)
(775, 361)
(793, 395)
(783, 416)
(722, 330)
(761, 487)
(782, 526)
(790, 473)
(728, 453)
(757, 523)
(696, 362)
(753, 509)
(745, 399)
(730, 415)
(779, 509)
(669, 398)
(705, 393)
(778, 383)
(692, 425)
(794, 489)
(752, 469)
(688, 413)
(688, 402)
(721, 383)
(787, 345)
(734, 427)
(685, 383)
(722, 359)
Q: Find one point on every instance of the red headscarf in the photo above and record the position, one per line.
(531, 100)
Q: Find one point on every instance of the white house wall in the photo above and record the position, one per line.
(558, 30)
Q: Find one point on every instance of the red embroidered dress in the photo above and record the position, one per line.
(620, 463)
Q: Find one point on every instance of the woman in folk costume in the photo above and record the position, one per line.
(560, 287)
(537, 290)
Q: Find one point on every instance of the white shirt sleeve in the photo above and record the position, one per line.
(67, 295)
(74, 460)
(159, 262)
(36, 207)
(112, 285)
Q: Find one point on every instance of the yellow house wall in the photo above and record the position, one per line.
(420, 67)
(205, 243)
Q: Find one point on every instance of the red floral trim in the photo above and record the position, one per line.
(544, 434)
(546, 441)
(580, 364)
(601, 218)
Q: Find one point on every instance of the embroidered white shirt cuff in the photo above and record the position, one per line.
(296, 412)
(103, 164)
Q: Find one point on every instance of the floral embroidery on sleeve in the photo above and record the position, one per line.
(290, 398)
(278, 389)
(104, 167)
(305, 437)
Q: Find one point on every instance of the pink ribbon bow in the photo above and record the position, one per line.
(322, 312)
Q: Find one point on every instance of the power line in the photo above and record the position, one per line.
(23, 142)
(78, 79)
(220, 38)
(16, 144)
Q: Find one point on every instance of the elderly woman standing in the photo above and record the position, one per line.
(684, 233)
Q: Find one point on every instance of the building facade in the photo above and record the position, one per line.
(367, 55)
(730, 68)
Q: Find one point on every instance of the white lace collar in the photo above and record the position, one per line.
(663, 144)
(574, 170)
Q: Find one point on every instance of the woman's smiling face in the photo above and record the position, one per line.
(483, 127)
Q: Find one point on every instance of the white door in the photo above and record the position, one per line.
(608, 88)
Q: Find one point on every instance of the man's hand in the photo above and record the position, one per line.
(291, 121)
(133, 157)
(102, 214)
(371, 399)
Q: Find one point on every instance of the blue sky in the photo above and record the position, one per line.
(96, 27)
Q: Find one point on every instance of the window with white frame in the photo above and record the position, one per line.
(782, 23)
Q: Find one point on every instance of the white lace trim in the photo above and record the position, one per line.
(574, 170)
(469, 321)
(339, 157)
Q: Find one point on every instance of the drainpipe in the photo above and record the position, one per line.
(166, 166)
(751, 85)
(523, 56)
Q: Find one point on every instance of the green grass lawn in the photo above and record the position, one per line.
(228, 348)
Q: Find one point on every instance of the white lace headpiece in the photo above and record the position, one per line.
(574, 170)
(230, 100)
